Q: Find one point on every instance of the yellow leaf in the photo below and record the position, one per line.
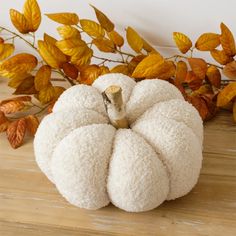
(208, 42)
(167, 70)
(116, 38)
(226, 94)
(42, 77)
(149, 66)
(214, 76)
(89, 73)
(73, 46)
(46, 95)
(134, 62)
(227, 40)
(182, 41)
(103, 20)
(234, 111)
(199, 67)
(58, 90)
(230, 70)
(32, 14)
(51, 54)
(18, 65)
(221, 57)
(67, 31)
(147, 47)
(7, 50)
(65, 18)
(104, 45)
(181, 72)
(19, 21)
(92, 28)
(49, 39)
(134, 40)
(124, 69)
(83, 59)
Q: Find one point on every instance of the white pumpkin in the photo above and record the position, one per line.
(92, 163)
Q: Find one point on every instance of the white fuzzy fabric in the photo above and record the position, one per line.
(79, 165)
(54, 127)
(126, 83)
(137, 179)
(179, 148)
(92, 164)
(146, 94)
(79, 97)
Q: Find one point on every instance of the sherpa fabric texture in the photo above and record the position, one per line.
(92, 164)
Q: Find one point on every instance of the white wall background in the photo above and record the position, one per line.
(155, 20)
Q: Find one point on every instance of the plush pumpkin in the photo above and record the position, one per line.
(135, 152)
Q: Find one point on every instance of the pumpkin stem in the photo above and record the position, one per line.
(113, 101)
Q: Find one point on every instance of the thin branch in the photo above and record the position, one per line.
(108, 60)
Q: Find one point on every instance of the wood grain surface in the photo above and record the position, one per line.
(31, 206)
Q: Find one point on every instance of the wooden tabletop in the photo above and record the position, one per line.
(31, 206)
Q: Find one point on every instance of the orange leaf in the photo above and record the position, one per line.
(32, 124)
(104, 70)
(26, 86)
(214, 76)
(234, 110)
(65, 18)
(70, 70)
(221, 57)
(12, 107)
(89, 73)
(208, 42)
(227, 40)
(181, 72)
(230, 70)
(4, 122)
(19, 98)
(147, 47)
(46, 95)
(116, 38)
(182, 41)
(134, 40)
(92, 28)
(167, 71)
(226, 94)
(32, 14)
(103, 20)
(124, 69)
(198, 66)
(104, 45)
(193, 81)
(149, 66)
(16, 132)
(19, 21)
(42, 77)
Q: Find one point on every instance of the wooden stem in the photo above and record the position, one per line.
(113, 101)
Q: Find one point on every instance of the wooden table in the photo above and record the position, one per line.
(30, 205)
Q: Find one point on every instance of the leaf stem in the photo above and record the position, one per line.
(108, 60)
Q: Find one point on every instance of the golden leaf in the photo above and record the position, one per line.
(124, 69)
(204, 89)
(116, 38)
(104, 70)
(4, 122)
(51, 54)
(181, 72)
(32, 124)
(42, 77)
(67, 31)
(199, 67)
(84, 59)
(1, 40)
(149, 66)
(58, 90)
(134, 40)
(18, 65)
(73, 46)
(208, 42)
(70, 70)
(89, 73)
(7, 50)
(92, 28)
(19, 98)
(12, 107)
(104, 45)
(226, 94)
(167, 70)
(16, 132)
(46, 95)
(32, 14)
(214, 76)
(17, 80)
(134, 62)
(227, 40)
(103, 20)
(221, 57)
(65, 18)
(230, 70)
(182, 41)
(49, 39)
(147, 47)
(234, 111)
(26, 86)
(19, 21)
